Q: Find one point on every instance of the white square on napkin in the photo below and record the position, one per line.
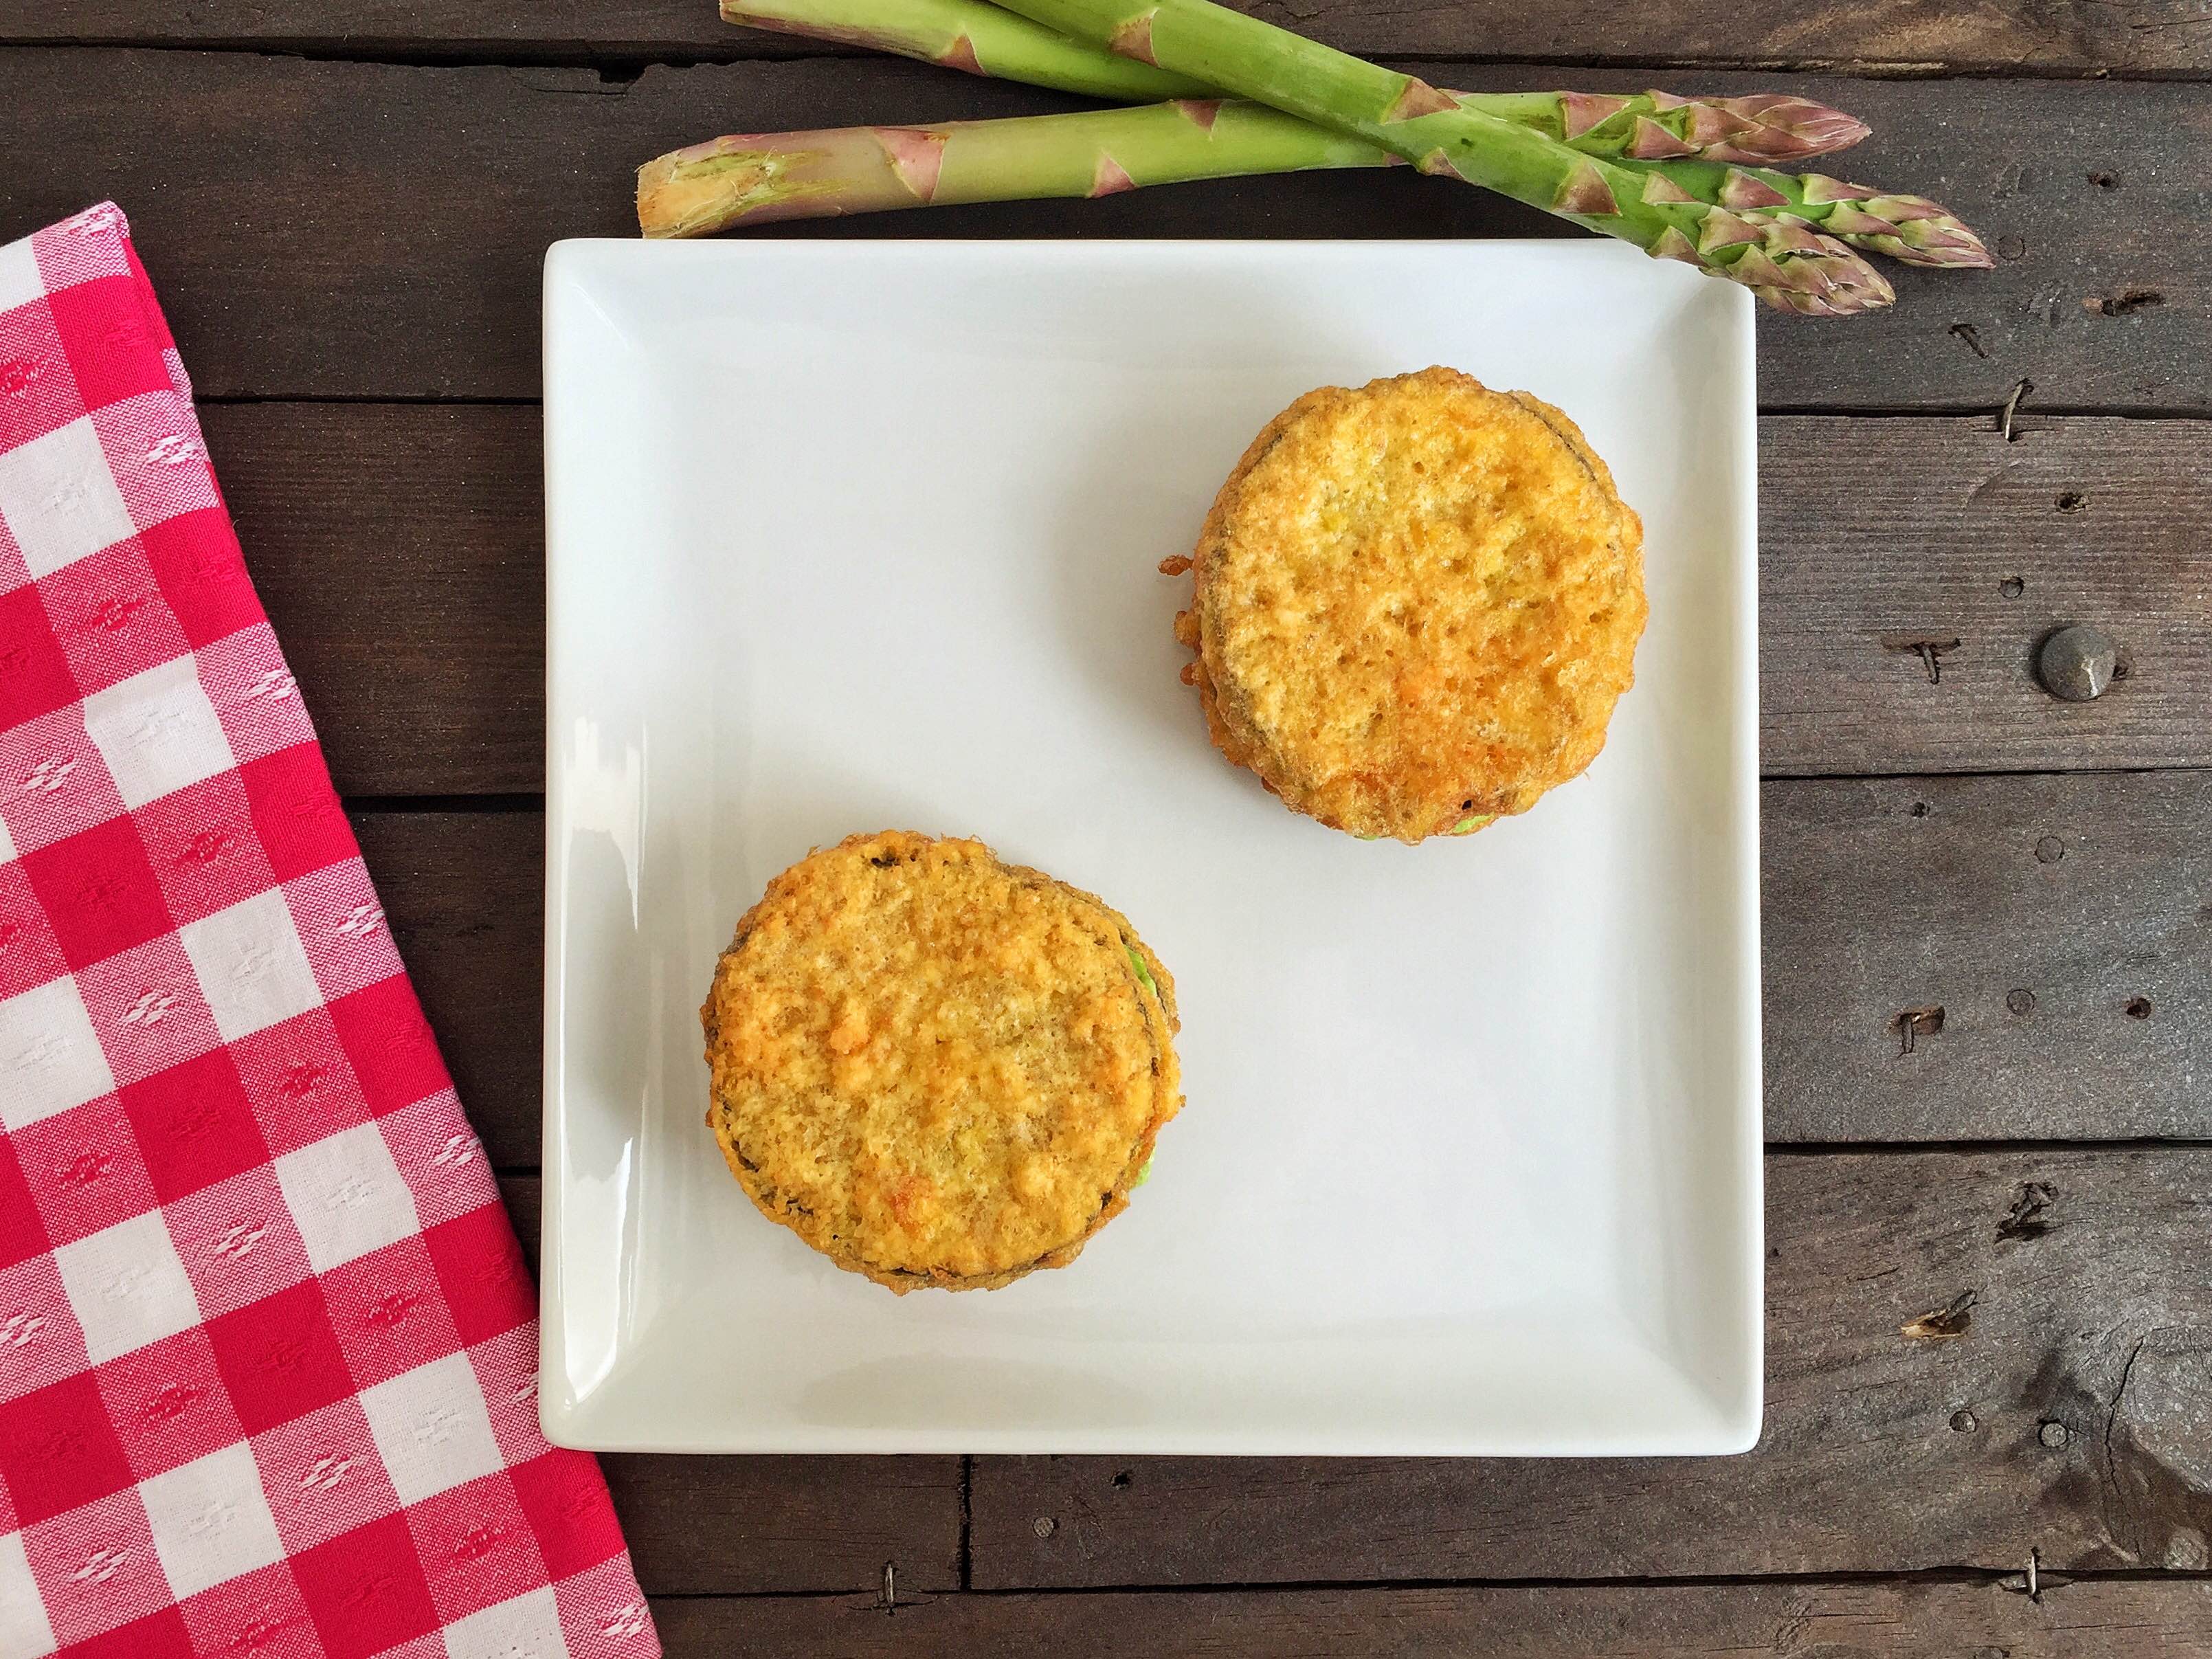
(210, 1521)
(526, 1627)
(158, 733)
(126, 1286)
(431, 1428)
(346, 1196)
(252, 968)
(50, 1058)
(59, 499)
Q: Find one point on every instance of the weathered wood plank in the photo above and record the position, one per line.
(2139, 37)
(388, 246)
(1873, 908)
(730, 1526)
(400, 551)
(1882, 536)
(465, 895)
(2086, 1619)
(2067, 1417)
(2050, 933)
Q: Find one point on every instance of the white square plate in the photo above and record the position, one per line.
(845, 536)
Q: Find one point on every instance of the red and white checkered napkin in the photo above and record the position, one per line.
(267, 1343)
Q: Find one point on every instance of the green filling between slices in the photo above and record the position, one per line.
(1468, 826)
(1143, 972)
(1143, 1175)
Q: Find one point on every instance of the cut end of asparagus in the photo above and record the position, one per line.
(756, 177)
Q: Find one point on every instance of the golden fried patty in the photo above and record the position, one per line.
(935, 1068)
(1415, 604)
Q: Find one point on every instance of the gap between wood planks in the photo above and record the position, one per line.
(618, 69)
(2030, 415)
(2050, 1581)
(518, 801)
(2183, 1144)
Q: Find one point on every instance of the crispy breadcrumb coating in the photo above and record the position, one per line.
(1415, 605)
(935, 1068)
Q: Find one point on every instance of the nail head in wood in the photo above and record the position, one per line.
(2076, 664)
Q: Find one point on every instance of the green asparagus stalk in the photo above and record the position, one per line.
(984, 39)
(1784, 262)
(754, 177)
(973, 35)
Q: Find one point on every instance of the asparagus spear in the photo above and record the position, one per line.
(1784, 262)
(984, 39)
(753, 178)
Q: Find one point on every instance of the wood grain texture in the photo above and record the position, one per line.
(2086, 1619)
(727, 1526)
(2067, 1417)
(389, 244)
(414, 612)
(2059, 925)
(400, 553)
(1878, 535)
(2048, 37)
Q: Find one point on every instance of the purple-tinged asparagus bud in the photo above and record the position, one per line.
(1659, 188)
(1650, 141)
(1580, 111)
(1739, 189)
(1586, 194)
(1720, 229)
(1826, 280)
(1820, 190)
(1794, 235)
(1944, 243)
(1766, 127)
(1911, 229)
(1789, 128)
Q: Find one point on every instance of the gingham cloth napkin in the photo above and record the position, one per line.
(267, 1343)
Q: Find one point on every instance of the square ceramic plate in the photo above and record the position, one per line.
(852, 535)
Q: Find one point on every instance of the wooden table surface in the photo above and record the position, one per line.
(344, 207)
